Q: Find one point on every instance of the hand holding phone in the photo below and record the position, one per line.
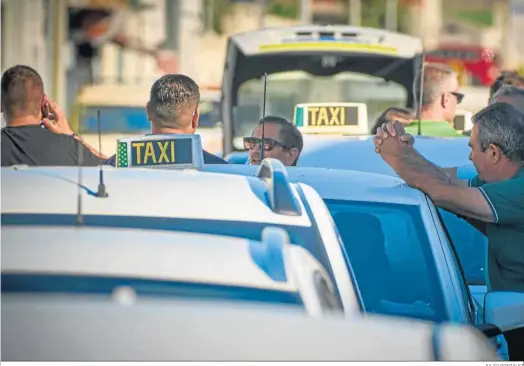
(46, 110)
(54, 118)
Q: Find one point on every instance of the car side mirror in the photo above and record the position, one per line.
(504, 309)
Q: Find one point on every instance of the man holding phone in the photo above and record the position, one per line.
(37, 132)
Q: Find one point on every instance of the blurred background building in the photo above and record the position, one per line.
(41, 33)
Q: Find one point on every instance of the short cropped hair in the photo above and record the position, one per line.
(22, 92)
(436, 76)
(173, 101)
(290, 136)
(502, 124)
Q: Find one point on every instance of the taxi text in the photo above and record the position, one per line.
(328, 116)
(153, 152)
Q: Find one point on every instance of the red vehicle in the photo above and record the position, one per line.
(476, 65)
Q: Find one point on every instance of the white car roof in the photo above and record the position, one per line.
(358, 153)
(136, 254)
(143, 192)
(250, 42)
(35, 328)
(335, 183)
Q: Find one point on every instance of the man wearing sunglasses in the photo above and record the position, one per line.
(282, 141)
(440, 98)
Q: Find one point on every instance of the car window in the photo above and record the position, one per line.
(391, 258)
(471, 247)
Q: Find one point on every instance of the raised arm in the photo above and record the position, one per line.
(441, 185)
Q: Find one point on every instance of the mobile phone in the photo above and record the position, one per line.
(45, 110)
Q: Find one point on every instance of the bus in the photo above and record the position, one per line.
(475, 65)
(314, 64)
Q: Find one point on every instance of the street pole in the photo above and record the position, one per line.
(391, 15)
(305, 12)
(59, 30)
(172, 24)
(262, 16)
(355, 12)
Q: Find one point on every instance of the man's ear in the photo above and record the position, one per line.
(495, 153)
(444, 100)
(196, 117)
(294, 153)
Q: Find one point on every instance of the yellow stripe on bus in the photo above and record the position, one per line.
(327, 46)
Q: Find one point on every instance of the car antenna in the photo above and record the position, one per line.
(80, 158)
(420, 94)
(101, 186)
(262, 145)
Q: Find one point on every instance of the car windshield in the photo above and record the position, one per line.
(307, 237)
(286, 89)
(147, 288)
(391, 258)
(471, 247)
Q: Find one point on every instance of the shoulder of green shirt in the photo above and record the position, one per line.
(433, 128)
(506, 198)
(475, 182)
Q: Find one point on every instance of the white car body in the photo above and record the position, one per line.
(179, 262)
(350, 186)
(181, 200)
(91, 329)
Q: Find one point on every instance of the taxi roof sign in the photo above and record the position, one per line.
(160, 151)
(332, 118)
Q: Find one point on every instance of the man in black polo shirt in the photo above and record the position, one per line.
(25, 140)
(173, 108)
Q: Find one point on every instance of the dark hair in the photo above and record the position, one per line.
(505, 78)
(290, 136)
(22, 92)
(386, 117)
(173, 100)
(502, 124)
(512, 95)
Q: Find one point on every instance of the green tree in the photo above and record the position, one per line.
(284, 8)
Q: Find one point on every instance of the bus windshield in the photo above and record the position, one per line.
(286, 89)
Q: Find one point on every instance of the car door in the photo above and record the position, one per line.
(475, 311)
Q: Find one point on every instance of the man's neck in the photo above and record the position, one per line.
(178, 131)
(508, 170)
(24, 121)
(431, 115)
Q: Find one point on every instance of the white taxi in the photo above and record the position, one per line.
(178, 198)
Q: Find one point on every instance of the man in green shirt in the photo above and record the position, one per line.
(493, 201)
(440, 98)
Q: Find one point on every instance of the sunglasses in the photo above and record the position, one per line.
(459, 96)
(269, 144)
